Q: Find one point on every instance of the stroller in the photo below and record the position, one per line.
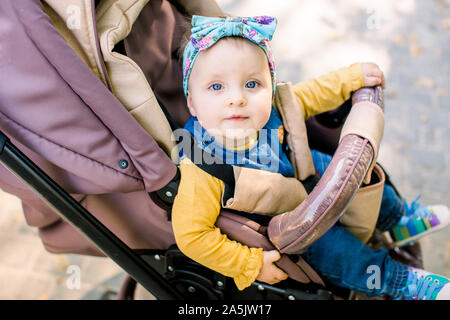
(100, 183)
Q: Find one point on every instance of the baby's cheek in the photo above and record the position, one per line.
(212, 125)
(264, 116)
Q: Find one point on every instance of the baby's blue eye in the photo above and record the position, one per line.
(251, 84)
(216, 86)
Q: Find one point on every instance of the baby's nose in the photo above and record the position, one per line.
(237, 99)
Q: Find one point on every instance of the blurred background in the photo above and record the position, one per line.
(408, 39)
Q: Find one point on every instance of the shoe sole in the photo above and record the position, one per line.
(418, 236)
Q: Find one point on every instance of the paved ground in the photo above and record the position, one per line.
(28, 271)
(409, 39)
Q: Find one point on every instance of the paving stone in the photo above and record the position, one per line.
(19, 284)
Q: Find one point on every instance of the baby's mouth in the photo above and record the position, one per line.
(236, 117)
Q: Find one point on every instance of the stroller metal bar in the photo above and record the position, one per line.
(20, 165)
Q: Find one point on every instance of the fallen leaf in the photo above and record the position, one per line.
(43, 296)
(415, 50)
(62, 262)
(334, 35)
(412, 38)
(18, 216)
(441, 92)
(424, 82)
(399, 39)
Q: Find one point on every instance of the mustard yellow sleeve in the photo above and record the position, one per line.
(194, 213)
(329, 91)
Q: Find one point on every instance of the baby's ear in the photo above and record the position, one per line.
(190, 105)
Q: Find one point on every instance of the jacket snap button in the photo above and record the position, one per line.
(123, 164)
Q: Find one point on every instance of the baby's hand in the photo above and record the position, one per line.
(269, 272)
(372, 75)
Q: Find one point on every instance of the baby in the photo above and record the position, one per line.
(229, 82)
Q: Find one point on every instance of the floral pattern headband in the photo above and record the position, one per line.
(206, 31)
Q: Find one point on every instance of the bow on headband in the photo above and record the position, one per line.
(206, 31)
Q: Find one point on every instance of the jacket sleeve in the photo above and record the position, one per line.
(329, 91)
(194, 213)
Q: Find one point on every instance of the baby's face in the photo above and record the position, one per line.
(230, 89)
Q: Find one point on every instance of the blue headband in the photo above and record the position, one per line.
(206, 31)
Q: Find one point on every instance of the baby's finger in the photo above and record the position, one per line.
(273, 255)
(279, 273)
(373, 81)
